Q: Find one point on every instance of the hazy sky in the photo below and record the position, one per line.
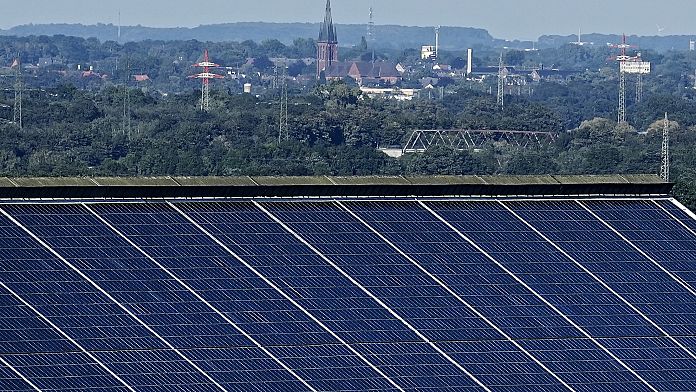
(503, 18)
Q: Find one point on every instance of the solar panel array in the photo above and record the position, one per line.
(428, 294)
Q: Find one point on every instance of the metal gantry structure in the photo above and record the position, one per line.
(664, 169)
(205, 77)
(474, 139)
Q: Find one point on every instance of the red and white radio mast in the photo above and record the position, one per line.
(206, 76)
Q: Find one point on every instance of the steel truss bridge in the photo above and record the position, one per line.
(473, 139)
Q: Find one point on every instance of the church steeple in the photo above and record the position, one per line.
(327, 44)
(327, 31)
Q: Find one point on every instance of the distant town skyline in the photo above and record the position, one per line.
(507, 19)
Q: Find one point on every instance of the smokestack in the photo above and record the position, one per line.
(437, 42)
(469, 61)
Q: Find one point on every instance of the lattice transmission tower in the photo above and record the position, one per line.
(17, 116)
(664, 169)
(283, 123)
(622, 97)
(206, 76)
(502, 75)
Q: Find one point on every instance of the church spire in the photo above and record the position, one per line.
(327, 31)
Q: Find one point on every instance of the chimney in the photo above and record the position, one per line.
(469, 61)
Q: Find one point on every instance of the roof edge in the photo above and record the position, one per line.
(327, 186)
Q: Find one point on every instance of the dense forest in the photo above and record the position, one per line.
(73, 130)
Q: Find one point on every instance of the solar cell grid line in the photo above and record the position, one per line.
(375, 298)
(88, 317)
(200, 298)
(684, 221)
(300, 274)
(603, 283)
(110, 297)
(454, 294)
(540, 296)
(632, 272)
(155, 295)
(678, 212)
(12, 379)
(66, 336)
(287, 297)
(638, 249)
(664, 233)
(674, 205)
(494, 293)
(240, 293)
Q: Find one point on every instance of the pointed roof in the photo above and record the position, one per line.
(327, 31)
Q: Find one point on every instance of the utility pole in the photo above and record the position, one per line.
(19, 92)
(283, 127)
(664, 169)
(501, 82)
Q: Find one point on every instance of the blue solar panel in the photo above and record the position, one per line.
(496, 294)
(10, 381)
(677, 212)
(566, 285)
(653, 231)
(414, 295)
(350, 295)
(662, 298)
(156, 297)
(89, 317)
(319, 287)
(42, 355)
(231, 287)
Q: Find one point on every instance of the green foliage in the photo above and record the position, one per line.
(79, 128)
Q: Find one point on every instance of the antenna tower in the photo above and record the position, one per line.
(437, 42)
(19, 92)
(206, 76)
(502, 74)
(622, 58)
(664, 170)
(283, 127)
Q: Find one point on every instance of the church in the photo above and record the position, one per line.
(363, 72)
